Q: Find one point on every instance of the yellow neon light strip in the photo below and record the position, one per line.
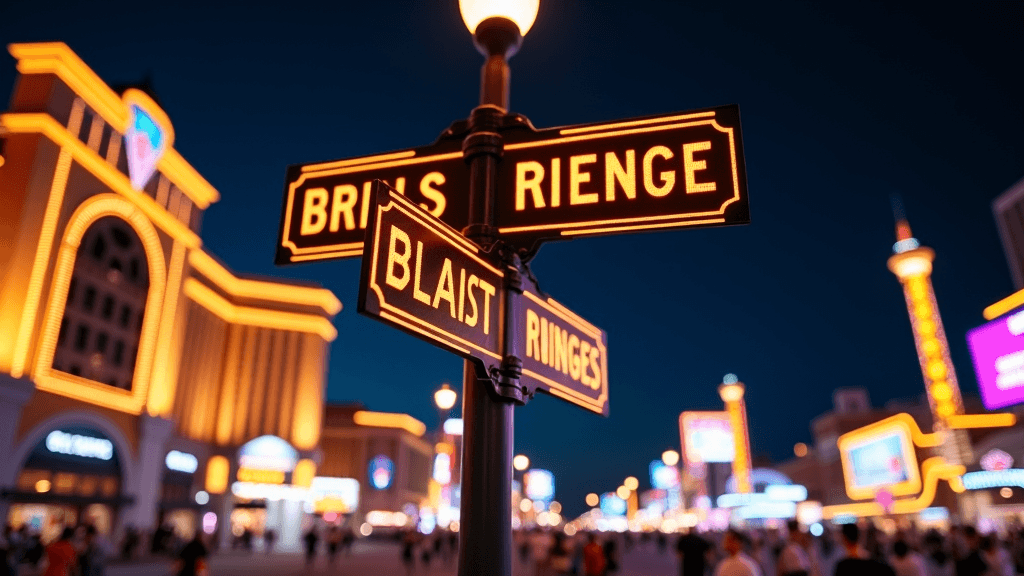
(599, 409)
(568, 131)
(33, 123)
(980, 420)
(390, 420)
(272, 319)
(326, 255)
(1015, 300)
(642, 227)
(56, 58)
(46, 378)
(245, 288)
(47, 233)
(932, 470)
(357, 161)
(161, 394)
(910, 435)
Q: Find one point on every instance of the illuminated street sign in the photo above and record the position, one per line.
(663, 172)
(421, 276)
(562, 354)
(327, 204)
(656, 173)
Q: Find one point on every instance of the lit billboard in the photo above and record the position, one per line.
(997, 349)
(540, 485)
(880, 456)
(707, 437)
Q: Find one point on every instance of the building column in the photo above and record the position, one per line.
(14, 394)
(153, 435)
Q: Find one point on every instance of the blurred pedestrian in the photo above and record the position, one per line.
(971, 563)
(61, 556)
(793, 560)
(692, 552)
(856, 562)
(409, 551)
(737, 563)
(333, 543)
(311, 538)
(611, 555)
(906, 562)
(269, 537)
(560, 557)
(594, 562)
(192, 558)
(7, 552)
(93, 559)
(996, 557)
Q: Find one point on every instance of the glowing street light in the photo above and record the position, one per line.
(521, 12)
(670, 457)
(445, 397)
(631, 483)
(521, 462)
(800, 449)
(622, 492)
(593, 499)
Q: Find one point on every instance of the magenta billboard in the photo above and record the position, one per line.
(997, 349)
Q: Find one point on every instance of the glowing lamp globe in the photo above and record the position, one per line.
(521, 12)
(445, 397)
(670, 457)
(521, 462)
(631, 483)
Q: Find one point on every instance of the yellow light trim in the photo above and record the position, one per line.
(390, 420)
(244, 288)
(358, 161)
(1015, 300)
(258, 476)
(56, 58)
(47, 233)
(249, 316)
(304, 472)
(82, 389)
(741, 458)
(33, 123)
(910, 436)
(932, 470)
(161, 393)
(568, 131)
(217, 471)
(961, 421)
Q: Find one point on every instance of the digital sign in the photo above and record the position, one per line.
(382, 472)
(612, 505)
(997, 349)
(707, 437)
(268, 453)
(61, 442)
(663, 477)
(540, 485)
(880, 456)
(421, 276)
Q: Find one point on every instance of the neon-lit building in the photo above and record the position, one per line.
(388, 453)
(134, 367)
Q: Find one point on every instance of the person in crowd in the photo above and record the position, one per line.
(540, 545)
(692, 551)
(594, 562)
(95, 549)
(192, 558)
(453, 543)
(269, 537)
(970, 562)
(61, 556)
(425, 556)
(996, 557)
(7, 552)
(611, 556)
(333, 543)
(736, 563)
(857, 562)
(130, 543)
(560, 556)
(311, 539)
(793, 559)
(409, 551)
(906, 562)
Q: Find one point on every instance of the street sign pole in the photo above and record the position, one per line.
(485, 522)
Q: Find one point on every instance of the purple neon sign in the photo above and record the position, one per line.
(997, 349)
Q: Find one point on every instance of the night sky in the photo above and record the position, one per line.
(843, 104)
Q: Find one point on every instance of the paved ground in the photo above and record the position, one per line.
(374, 557)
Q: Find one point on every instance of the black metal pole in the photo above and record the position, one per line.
(485, 523)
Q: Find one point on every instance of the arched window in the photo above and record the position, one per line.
(99, 327)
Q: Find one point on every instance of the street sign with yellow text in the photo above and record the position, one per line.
(562, 354)
(421, 276)
(664, 172)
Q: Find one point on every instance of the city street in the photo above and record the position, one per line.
(374, 557)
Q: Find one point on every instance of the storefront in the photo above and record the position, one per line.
(72, 475)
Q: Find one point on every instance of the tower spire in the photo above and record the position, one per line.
(904, 237)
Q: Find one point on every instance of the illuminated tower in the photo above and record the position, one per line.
(912, 264)
(731, 390)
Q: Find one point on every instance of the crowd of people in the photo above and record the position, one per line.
(845, 550)
(80, 550)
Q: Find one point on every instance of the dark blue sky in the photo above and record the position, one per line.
(843, 104)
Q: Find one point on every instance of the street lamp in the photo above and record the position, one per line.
(445, 397)
(521, 462)
(731, 390)
(670, 457)
(485, 546)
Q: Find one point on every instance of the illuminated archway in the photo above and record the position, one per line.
(46, 378)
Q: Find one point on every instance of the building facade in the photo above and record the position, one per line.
(135, 369)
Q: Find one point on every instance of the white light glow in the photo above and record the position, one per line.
(522, 12)
(181, 462)
(77, 445)
(202, 497)
(453, 426)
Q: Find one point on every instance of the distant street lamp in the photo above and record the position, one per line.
(521, 462)
(622, 492)
(593, 499)
(632, 483)
(670, 457)
(445, 397)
